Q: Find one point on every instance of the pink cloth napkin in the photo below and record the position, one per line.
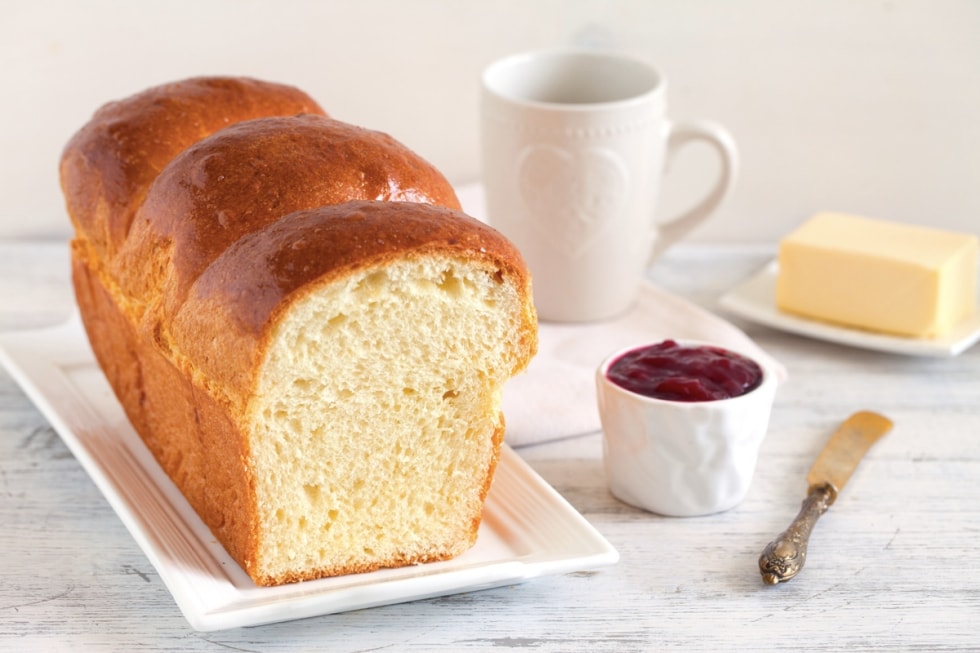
(556, 397)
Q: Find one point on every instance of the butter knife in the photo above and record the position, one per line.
(784, 557)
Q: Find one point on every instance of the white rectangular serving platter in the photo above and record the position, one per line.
(528, 529)
(755, 299)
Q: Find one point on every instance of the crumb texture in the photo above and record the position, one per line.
(377, 416)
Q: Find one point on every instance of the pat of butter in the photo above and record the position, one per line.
(877, 275)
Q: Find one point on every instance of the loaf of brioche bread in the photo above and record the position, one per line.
(299, 322)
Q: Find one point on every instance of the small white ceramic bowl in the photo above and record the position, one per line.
(678, 458)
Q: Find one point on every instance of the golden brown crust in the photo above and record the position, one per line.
(191, 436)
(247, 176)
(108, 165)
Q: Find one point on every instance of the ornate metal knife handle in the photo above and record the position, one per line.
(785, 556)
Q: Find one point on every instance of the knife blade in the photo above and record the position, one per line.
(784, 557)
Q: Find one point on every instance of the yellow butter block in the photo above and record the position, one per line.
(877, 275)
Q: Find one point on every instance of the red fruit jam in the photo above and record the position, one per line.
(676, 372)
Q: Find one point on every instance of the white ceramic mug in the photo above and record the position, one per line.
(574, 147)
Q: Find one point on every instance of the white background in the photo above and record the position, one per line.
(866, 106)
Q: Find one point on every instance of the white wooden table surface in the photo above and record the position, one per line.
(894, 565)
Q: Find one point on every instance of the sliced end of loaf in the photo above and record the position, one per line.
(376, 422)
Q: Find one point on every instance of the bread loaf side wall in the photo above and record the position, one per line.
(191, 436)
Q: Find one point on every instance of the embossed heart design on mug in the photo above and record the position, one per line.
(572, 195)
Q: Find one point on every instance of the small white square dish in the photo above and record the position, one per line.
(528, 529)
(755, 299)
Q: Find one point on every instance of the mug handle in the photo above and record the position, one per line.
(721, 140)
